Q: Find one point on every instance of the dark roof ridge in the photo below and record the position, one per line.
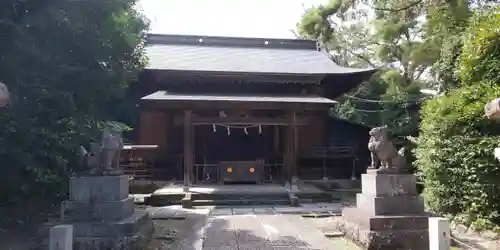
(195, 40)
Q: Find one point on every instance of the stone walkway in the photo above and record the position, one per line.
(263, 232)
(246, 228)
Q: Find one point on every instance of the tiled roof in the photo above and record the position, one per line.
(240, 55)
(165, 96)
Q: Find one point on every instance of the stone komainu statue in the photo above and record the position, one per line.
(104, 157)
(383, 152)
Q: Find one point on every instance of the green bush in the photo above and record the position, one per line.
(455, 146)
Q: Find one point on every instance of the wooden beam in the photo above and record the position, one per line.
(203, 104)
(242, 121)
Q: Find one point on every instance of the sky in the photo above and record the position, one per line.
(236, 18)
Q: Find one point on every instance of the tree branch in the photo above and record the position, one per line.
(360, 57)
(295, 34)
(398, 9)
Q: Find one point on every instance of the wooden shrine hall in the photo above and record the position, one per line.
(221, 109)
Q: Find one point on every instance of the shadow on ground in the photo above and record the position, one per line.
(239, 233)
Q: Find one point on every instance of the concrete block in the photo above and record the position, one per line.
(294, 200)
(385, 232)
(439, 234)
(385, 222)
(388, 184)
(98, 188)
(132, 233)
(102, 210)
(187, 202)
(123, 228)
(390, 205)
(61, 237)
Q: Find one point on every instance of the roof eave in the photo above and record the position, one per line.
(343, 87)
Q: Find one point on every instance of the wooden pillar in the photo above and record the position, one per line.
(188, 149)
(276, 143)
(291, 147)
(293, 122)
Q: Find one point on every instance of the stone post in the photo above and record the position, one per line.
(61, 237)
(439, 234)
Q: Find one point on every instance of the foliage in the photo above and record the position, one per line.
(66, 63)
(456, 142)
(392, 42)
(480, 60)
(446, 22)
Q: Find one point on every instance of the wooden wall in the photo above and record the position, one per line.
(153, 128)
(312, 134)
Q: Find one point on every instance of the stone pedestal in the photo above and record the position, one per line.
(103, 214)
(389, 214)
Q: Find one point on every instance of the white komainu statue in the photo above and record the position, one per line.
(111, 146)
(4, 95)
(383, 152)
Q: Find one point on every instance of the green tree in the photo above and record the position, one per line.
(446, 22)
(392, 42)
(66, 63)
(455, 146)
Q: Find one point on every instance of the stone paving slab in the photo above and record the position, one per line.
(243, 210)
(255, 247)
(290, 248)
(318, 208)
(249, 228)
(219, 248)
(264, 210)
(222, 211)
(289, 210)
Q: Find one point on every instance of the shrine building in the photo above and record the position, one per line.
(246, 110)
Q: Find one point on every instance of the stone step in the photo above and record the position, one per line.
(222, 199)
(239, 202)
(315, 197)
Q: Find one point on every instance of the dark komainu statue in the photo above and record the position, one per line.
(384, 154)
(104, 157)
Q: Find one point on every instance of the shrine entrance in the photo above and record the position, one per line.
(242, 139)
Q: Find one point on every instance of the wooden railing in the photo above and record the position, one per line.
(328, 152)
(327, 162)
(138, 161)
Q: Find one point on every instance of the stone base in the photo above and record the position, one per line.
(385, 232)
(132, 233)
(101, 211)
(390, 205)
(98, 188)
